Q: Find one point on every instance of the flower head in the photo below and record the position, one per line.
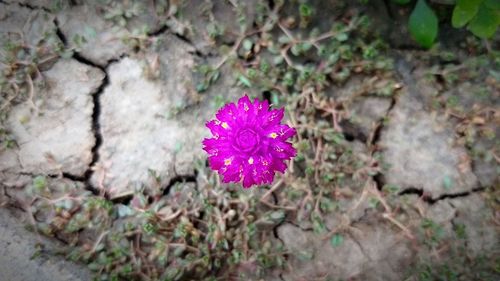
(249, 143)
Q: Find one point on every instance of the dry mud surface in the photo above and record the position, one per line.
(22, 258)
(107, 118)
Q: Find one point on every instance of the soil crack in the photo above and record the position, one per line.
(28, 6)
(420, 192)
(179, 179)
(186, 40)
(360, 246)
(375, 137)
(457, 195)
(164, 28)
(95, 113)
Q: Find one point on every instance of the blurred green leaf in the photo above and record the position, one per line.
(492, 4)
(464, 11)
(245, 81)
(485, 23)
(401, 2)
(179, 250)
(90, 32)
(423, 24)
(39, 183)
(337, 240)
(277, 215)
(305, 10)
(447, 182)
(305, 255)
(342, 37)
(247, 44)
(124, 211)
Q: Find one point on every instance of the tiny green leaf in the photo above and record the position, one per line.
(247, 44)
(485, 23)
(464, 11)
(179, 250)
(278, 60)
(284, 39)
(305, 10)
(447, 182)
(306, 46)
(296, 50)
(336, 240)
(39, 183)
(245, 81)
(275, 99)
(90, 32)
(93, 266)
(423, 24)
(277, 215)
(342, 37)
(305, 255)
(201, 87)
(214, 76)
(124, 211)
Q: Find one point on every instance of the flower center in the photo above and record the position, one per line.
(247, 140)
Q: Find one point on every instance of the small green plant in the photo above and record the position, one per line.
(481, 17)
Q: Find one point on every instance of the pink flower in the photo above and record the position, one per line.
(249, 144)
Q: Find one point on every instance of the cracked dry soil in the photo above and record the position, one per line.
(108, 117)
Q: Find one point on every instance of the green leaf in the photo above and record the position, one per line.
(67, 54)
(296, 50)
(305, 10)
(245, 81)
(214, 76)
(492, 4)
(178, 252)
(284, 39)
(447, 182)
(464, 11)
(401, 2)
(247, 44)
(306, 46)
(201, 87)
(66, 204)
(336, 240)
(342, 37)
(275, 99)
(277, 215)
(124, 211)
(90, 32)
(485, 23)
(278, 60)
(423, 24)
(305, 255)
(39, 183)
(93, 266)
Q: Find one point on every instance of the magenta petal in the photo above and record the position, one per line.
(285, 132)
(283, 150)
(216, 128)
(244, 104)
(227, 113)
(279, 165)
(272, 117)
(216, 162)
(247, 179)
